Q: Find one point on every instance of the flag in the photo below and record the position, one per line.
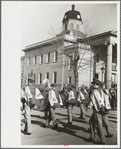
(38, 94)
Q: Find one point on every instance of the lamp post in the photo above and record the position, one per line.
(103, 71)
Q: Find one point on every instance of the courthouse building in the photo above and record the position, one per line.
(46, 59)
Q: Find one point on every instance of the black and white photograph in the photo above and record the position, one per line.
(69, 61)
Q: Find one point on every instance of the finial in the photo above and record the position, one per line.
(73, 7)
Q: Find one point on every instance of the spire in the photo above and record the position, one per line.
(73, 7)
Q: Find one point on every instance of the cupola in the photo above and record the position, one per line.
(72, 22)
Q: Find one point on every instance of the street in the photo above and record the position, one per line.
(77, 134)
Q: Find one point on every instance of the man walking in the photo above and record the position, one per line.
(83, 99)
(71, 100)
(107, 108)
(52, 100)
(97, 101)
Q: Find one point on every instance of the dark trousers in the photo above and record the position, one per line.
(106, 124)
(69, 112)
(96, 125)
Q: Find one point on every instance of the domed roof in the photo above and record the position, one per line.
(72, 14)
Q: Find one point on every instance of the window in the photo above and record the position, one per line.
(40, 78)
(48, 58)
(54, 79)
(33, 60)
(69, 80)
(47, 75)
(97, 57)
(96, 75)
(55, 56)
(41, 58)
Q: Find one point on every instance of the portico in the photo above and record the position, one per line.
(104, 48)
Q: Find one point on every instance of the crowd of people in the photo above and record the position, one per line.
(97, 97)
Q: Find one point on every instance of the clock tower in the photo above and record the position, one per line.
(72, 23)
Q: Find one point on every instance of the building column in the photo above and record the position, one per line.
(109, 66)
(94, 65)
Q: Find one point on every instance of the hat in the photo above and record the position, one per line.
(64, 86)
(30, 80)
(97, 82)
(72, 87)
(53, 85)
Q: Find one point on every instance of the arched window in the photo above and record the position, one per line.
(77, 27)
(71, 26)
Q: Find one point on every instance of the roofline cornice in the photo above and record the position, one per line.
(111, 33)
(39, 44)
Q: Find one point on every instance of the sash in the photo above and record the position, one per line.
(38, 94)
(52, 97)
(28, 92)
(97, 99)
(106, 100)
(72, 95)
(60, 100)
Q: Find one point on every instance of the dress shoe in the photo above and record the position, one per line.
(28, 133)
(109, 135)
(55, 126)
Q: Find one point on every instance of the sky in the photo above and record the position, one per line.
(38, 18)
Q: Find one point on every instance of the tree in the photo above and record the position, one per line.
(79, 60)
